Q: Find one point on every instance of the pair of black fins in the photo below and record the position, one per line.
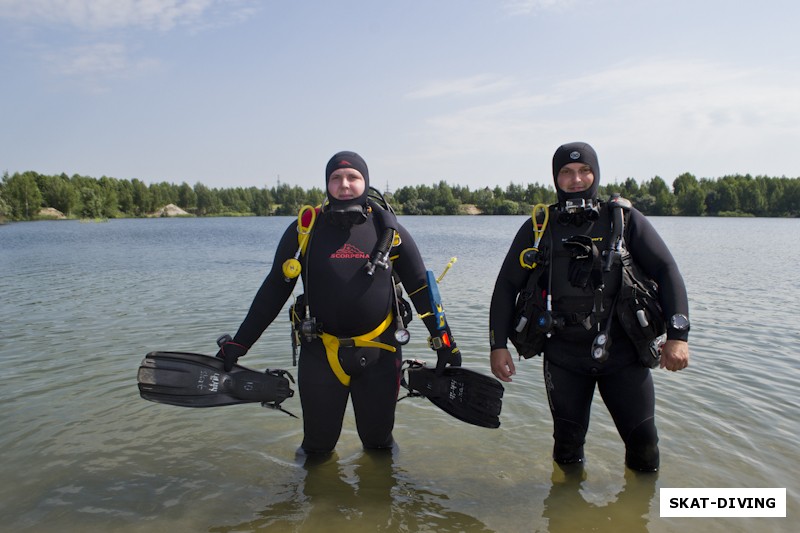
(196, 380)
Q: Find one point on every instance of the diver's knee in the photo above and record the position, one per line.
(641, 448)
(376, 440)
(569, 439)
(373, 442)
(317, 445)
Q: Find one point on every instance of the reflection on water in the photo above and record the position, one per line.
(365, 493)
(567, 510)
(81, 304)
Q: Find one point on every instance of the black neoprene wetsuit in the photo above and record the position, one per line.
(346, 302)
(570, 372)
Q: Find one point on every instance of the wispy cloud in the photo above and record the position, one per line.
(115, 14)
(701, 94)
(479, 84)
(93, 50)
(98, 60)
(525, 7)
(667, 109)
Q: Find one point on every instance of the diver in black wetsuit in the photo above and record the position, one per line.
(350, 348)
(570, 371)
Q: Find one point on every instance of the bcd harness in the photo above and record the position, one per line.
(305, 327)
(635, 304)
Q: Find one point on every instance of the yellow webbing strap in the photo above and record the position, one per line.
(332, 344)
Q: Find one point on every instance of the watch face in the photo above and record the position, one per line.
(402, 336)
(679, 322)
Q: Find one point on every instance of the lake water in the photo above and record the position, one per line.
(82, 303)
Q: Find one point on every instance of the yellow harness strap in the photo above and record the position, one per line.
(333, 343)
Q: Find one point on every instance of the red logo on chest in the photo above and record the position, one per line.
(348, 251)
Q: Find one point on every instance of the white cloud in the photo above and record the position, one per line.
(99, 59)
(116, 14)
(479, 84)
(95, 67)
(525, 7)
(701, 94)
(667, 113)
(696, 95)
(95, 50)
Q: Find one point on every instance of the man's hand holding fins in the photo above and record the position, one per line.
(230, 351)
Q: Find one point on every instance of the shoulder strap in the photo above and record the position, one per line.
(620, 215)
(387, 229)
(385, 217)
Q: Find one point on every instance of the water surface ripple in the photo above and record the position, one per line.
(82, 303)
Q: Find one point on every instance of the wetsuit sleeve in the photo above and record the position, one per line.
(411, 270)
(272, 294)
(510, 280)
(651, 253)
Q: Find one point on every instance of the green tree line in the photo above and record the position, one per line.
(24, 195)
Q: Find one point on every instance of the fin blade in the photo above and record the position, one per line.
(462, 393)
(195, 380)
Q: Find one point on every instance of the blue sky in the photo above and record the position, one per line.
(235, 93)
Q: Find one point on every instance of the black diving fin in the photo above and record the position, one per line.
(196, 380)
(465, 394)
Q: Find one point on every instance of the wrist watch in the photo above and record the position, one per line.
(679, 322)
(435, 343)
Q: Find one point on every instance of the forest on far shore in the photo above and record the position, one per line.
(24, 196)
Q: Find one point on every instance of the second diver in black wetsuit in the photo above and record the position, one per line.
(348, 313)
(581, 302)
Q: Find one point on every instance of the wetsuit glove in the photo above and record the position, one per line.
(447, 356)
(447, 353)
(230, 351)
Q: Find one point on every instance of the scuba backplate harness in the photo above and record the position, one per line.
(636, 305)
(304, 325)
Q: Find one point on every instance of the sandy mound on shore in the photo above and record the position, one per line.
(171, 210)
(51, 212)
